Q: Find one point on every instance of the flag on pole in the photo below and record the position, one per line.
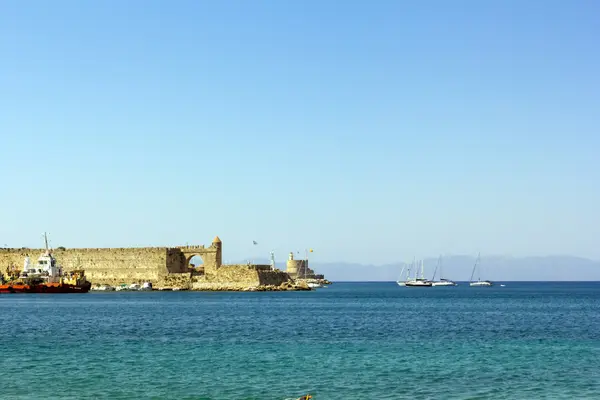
(254, 242)
(311, 250)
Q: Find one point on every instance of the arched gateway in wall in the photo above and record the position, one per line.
(211, 256)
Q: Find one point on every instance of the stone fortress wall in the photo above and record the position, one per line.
(163, 266)
(101, 265)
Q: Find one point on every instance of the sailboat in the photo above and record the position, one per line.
(400, 282)
(419, 282)
(443, 281)
(478, 282)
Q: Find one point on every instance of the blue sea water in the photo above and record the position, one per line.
(348, 341)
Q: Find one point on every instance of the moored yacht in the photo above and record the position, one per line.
(400, 281)
(478, 282)
(443, 281)
(419, 282)
(481, 283)
(103, 288)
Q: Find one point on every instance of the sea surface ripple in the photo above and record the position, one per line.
(351, 340)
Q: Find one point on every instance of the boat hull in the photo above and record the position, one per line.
(444, 283)
(418, 284)
(481, 284)
(45, 288)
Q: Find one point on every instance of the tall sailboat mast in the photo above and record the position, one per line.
(479, 282)
(438, 265)
(474, 268)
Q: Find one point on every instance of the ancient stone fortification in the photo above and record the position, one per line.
(239, 277)
(163, 266)
(298, 269)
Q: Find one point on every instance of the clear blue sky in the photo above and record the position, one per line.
(370, 131)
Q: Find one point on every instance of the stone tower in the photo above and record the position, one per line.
(212, 256)
(219, 255)
(295, 268)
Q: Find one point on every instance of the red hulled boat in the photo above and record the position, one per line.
(45, 277)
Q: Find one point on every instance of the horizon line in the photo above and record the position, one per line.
(450, 255)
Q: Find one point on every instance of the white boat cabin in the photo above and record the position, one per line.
(46, 268)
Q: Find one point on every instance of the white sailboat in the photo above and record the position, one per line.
(443, 281)
(419, 282)
(403, 279)
(401, 282)
(478, 282)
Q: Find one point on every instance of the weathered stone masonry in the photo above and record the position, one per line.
(159, 265)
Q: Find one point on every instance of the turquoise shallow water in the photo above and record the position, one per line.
(351, 340)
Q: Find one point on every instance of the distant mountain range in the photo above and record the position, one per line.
(459, 268)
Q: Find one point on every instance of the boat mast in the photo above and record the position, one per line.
(475, 267)
(435, 270)
(441, 273)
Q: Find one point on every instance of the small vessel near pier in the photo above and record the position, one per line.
(314, 284)
(103, 288)
(45, 277)
(135, 287)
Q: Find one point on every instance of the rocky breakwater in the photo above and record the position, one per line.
(235, 287)
(322, 281)
(290, 285)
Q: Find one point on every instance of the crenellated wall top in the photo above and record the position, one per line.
(91, 249)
